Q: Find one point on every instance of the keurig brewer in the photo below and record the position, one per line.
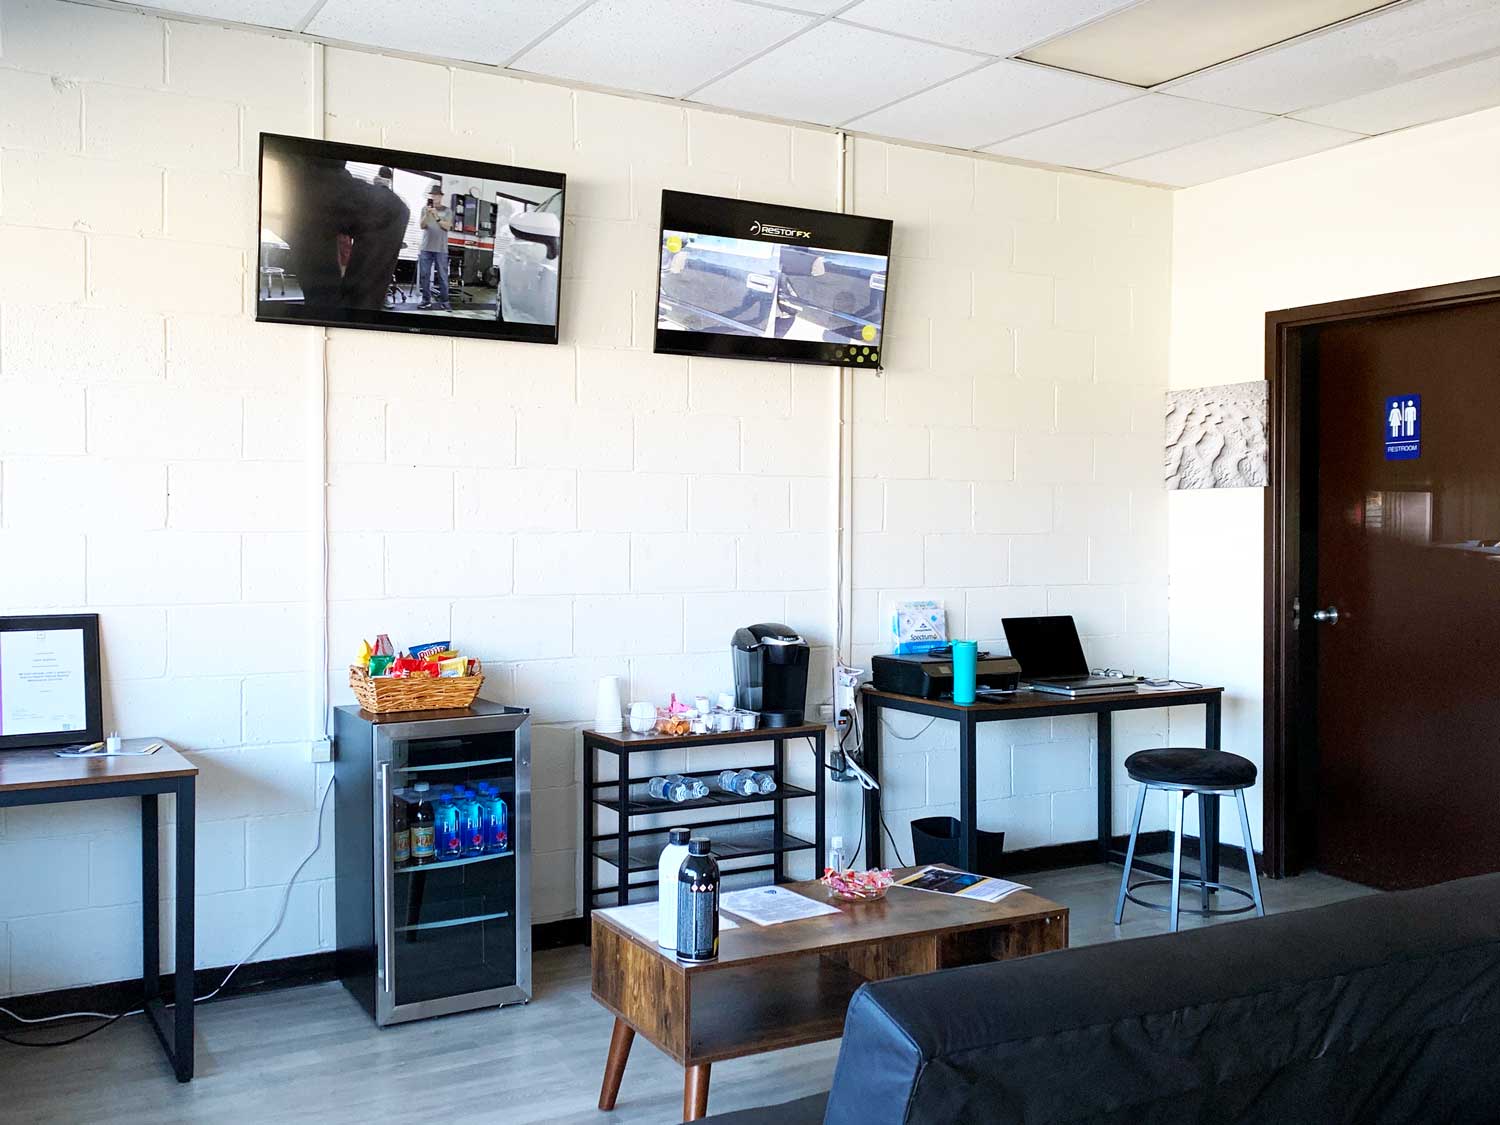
(770, 673)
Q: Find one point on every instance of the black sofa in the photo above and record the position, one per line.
(1380, 1009)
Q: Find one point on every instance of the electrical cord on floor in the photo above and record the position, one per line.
(109, 1020)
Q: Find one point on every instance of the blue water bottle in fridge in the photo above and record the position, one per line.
(499, 823)
(450, 843)
(474, 819)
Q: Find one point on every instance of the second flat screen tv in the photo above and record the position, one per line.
(352, 236)
(763, 281)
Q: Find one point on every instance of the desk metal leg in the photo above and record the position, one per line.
(1208, 826)
(186, 860)
(820, 810)
(150, 898)
(968, 790)
(1106, 770)
(870, 761)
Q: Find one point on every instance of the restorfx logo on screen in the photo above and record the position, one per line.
(775, 230)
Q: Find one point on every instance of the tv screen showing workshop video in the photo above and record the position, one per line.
(352, 236)
(763, 281)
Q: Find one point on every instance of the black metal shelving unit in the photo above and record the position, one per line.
(762, 835)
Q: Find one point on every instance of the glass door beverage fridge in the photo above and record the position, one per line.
(433, 859)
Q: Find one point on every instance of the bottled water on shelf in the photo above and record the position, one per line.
(741, 782)
(497, 823)
(472, 822)
(764, 782)
(668, 789)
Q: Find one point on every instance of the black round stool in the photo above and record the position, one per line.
(1178, 771)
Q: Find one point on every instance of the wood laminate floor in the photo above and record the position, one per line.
(311, 1055)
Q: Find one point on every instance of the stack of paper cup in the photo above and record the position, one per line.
(607, 718)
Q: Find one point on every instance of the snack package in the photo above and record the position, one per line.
(380, 665)
(365, 652)
(432, 650)
(452, 666)
(383, 646)
(411, 666)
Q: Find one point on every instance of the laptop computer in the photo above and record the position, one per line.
(1051, 657)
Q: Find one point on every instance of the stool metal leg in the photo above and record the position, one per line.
(1179, 799)
(1205, 822)
(1135, 830)
(1260, 910)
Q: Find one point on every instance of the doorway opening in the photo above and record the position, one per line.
(1382, 595)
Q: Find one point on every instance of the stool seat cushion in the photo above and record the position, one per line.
(1191, 766)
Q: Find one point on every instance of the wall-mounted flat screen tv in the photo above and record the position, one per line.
(763, 281)
(352, 236)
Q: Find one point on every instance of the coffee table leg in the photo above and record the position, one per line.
(695, 1093)
(614, 1066)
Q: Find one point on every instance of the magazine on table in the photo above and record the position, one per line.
(964, 884)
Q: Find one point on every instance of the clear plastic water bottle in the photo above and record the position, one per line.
(697, 787)
(731, 781)
(473, 815)
(450, 842)
(667, 789)
(764, 782)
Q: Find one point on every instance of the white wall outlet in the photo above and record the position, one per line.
(322, 750)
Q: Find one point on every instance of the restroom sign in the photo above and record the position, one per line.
(1403, 428)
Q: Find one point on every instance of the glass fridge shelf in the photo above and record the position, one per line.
(439, 865)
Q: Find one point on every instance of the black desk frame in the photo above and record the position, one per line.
(174, 1030)
(969, 718)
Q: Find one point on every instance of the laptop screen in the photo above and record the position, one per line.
(1046, 647)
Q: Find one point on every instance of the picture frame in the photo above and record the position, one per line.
(84, 664)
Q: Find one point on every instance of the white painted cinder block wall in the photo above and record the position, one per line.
(1396, 212)
(561, 511)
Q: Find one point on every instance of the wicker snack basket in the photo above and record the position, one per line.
(383, 694)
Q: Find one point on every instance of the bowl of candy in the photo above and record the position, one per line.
(856, 886)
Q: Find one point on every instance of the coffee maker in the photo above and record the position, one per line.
(770, 673)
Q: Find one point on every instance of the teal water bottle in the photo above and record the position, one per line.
(965, 657)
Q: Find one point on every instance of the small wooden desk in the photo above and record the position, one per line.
(789, 984)
(39, 777)
(1033, 705)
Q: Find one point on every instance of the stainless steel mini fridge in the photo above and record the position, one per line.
(427, 936)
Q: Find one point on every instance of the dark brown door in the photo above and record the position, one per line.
(1408, 677)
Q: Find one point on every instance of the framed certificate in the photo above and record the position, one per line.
(49, 681)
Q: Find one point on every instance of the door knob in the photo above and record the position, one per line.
(1329, 616)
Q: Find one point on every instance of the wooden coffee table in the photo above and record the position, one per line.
(786, 985)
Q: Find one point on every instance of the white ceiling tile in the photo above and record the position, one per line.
(816, 7)
(667, 47)
(1270, 142)
(1367, 53)
(472, 30)
(997, 27)
(1448, 93)
(1001, 100)
(1126, 131)
(266, 13)
(834, 72)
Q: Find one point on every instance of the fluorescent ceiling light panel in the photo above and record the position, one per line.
(833, 72)
(1000, 100)
(1270, 142)
(1124, 132)
(1404, 41)
(1162, 39)
(1448, 93)
(996, 27)
(285, 14)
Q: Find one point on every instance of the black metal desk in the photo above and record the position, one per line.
(1036, 705)
(40, 777)
(633, 851)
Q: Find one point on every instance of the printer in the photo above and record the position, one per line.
(929, 675)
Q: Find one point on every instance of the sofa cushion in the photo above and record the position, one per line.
(1384, 1008)
(803, 1111)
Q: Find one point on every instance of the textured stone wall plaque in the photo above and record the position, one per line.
(1216, 437)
